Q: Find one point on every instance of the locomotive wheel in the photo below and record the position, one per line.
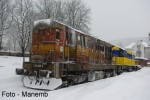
(107, 74)
(114, 73)
(91, 76)
(119, 72)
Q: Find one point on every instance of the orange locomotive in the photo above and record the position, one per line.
(62, 56)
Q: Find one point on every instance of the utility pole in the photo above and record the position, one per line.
(149, 39)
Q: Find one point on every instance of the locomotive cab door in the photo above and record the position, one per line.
(70, 44)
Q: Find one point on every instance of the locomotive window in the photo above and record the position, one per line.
(83, 41)
(115, 52)
(129, 56)
(57, 35)
(97, 47)
(133, 56)
(40, 35)
(79, 40)
(86, 41)
(102, 48)
(125, 54)
(66, 35)
(72, 38)
(121, 53)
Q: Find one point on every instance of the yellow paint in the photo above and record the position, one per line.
(115, 48)
(44, 48)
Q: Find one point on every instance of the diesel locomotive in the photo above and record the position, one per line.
(62, 56)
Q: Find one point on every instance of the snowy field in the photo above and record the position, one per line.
(127, 86)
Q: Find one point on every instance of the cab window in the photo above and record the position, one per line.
(86, 41)
(57, 35)
(72, 37)
(83, 40)
(79, 40)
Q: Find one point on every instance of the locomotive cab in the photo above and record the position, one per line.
(48, 48)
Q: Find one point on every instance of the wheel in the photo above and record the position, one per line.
(91, 76)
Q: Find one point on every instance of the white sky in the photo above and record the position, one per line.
(116, 19)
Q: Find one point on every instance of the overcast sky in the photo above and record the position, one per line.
(116, 19)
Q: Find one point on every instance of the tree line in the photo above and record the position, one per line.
(17, 16)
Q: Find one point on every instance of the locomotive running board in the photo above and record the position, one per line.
(42, 83)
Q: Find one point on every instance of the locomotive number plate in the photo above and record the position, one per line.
(38, 66)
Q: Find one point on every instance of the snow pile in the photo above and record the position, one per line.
(128, 86)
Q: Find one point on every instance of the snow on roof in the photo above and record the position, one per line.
(144, 43)
(130, 46)
(47, 21)
(69, 27)
(141, 58)
(148, 63)
(119, 46)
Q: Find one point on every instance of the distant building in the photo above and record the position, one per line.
(141, 49)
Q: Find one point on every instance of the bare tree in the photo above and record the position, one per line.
(13, 35)
(9, 45)
(23, 19)
(77, 15)
(4, 19)
(59, 11)
(51, 9)
(46, 8)
(74, 13)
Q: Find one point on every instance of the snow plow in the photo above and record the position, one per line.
(39, 74)
(37, 77)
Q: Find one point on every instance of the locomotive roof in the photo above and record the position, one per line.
(48, 22)
(119, 47)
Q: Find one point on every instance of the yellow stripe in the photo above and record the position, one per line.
(115, 48)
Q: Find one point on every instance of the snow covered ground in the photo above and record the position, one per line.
(127, 86)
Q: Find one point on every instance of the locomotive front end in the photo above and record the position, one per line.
(44, 70)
